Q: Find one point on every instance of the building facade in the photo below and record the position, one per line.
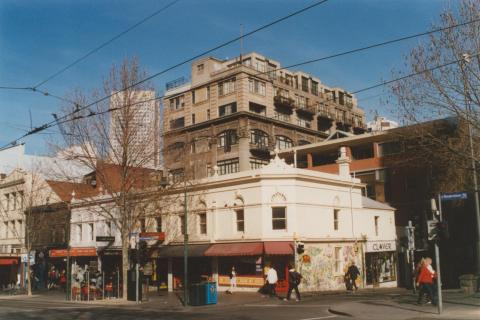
(234, 112)
(253, 219)
(135, 124)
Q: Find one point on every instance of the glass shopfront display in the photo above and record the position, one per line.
(380, 267)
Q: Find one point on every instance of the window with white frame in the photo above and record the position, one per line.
(202, 221)
(256, 86)
(91, 234)
(335, 219)
(338, 259)
(226, 87)
(240, 217)
(78, 232)
(177, 102)
(279, 218)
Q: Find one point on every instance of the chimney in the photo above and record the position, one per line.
(343, 163)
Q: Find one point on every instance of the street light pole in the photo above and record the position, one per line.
(185, 248)
(465, 60)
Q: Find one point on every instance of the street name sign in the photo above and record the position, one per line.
(146, 236)
(105, 238)
(453, 196)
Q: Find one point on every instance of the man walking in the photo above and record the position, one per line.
(353, 273)
(294, 279)
(272, 279)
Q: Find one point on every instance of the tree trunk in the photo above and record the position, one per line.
(125, 264)
(29, 278)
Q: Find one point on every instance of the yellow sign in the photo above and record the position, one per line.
(242, 281)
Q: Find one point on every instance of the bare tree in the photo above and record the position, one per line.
(450, 90)
(118, 141)
(22, 192)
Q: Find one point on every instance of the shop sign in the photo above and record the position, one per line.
(74, 252)
(377, 246)
(23, 258)
(242, 281)
(157, 236)
(105, 239)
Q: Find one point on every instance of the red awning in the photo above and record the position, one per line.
(279, 248)
(235, 249)
(8, 261)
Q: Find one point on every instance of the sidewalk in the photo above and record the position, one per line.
(401, 304)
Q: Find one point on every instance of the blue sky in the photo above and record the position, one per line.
(39, 37)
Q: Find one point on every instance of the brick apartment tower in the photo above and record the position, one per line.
(234, 112)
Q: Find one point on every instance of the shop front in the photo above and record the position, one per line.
(9, 270)
(251, 261)
(381, 263)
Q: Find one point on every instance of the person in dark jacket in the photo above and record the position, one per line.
(353, 274)
(294, 279)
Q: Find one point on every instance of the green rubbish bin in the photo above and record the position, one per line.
(196, 294)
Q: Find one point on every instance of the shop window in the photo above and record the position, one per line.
(335, 218)
(376, 225)
(240, 220)
(380, 267)
(279, 218)
(338, 260)
(159, 224)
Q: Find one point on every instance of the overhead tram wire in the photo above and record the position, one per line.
(94, 50)
(335, 55)
(46, 126)
(380, 84)
(79, 108)
(203, 54)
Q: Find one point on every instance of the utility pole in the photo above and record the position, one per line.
(437, 252)
(411, 250)
(466, 59)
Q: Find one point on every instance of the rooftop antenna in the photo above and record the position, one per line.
(30, 113)
(241, 43)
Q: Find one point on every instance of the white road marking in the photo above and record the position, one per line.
(317, 318)
(287, 306)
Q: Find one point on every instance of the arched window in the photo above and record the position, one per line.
(282, 142)
(227, 138)
(259, 138)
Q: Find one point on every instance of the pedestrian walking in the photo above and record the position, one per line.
(294, 279)
(353, 274)
(233, 280)
(272, 279)
(425, 282)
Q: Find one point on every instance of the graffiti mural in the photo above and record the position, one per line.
(325, 266)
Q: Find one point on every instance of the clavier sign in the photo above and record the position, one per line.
(454, 196)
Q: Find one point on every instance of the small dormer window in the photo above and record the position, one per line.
(200, 68)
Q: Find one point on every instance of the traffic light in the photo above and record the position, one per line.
(300, 248)
(438, 230)
(142, 252)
